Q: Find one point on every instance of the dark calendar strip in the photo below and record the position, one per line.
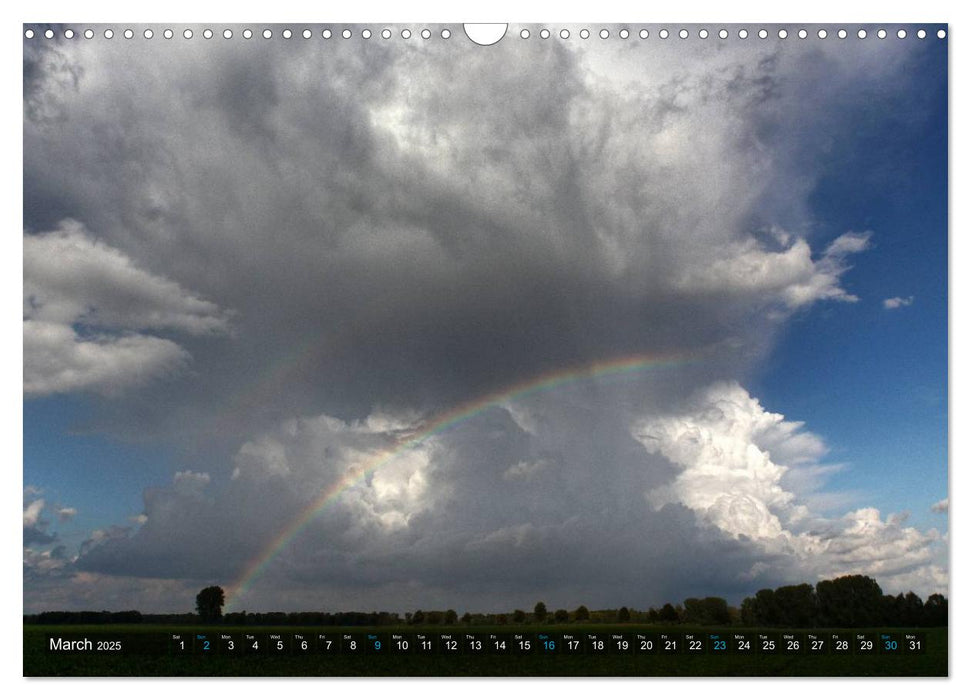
(462, 643)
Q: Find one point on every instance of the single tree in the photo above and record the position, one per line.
(209, 603)
(849, 601)
(539, 612)
(668, 613)
(581, 614)
(467, 618)
(935, 610)
(519, 616)
(795, 605)
(623, 615)
(561, 616)
(434, 617)
(911, 610)
(451, 617)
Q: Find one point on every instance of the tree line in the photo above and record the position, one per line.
(847, 601)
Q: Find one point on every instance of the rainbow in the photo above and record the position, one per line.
(463, 412)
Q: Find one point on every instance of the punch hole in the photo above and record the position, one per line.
(544, 34)
(881, 33)
(802, 34)
(841, 33)
(743, 33)
(366, 33)
(29, 34)
(425, 34)
(663, 33)
(485, 34)
(306, 34)
(722, 33)
(624, 33)
(227, 34)
(683, 34)
(405, 33)
(247, 33)
(109, 33)
(89, 34)
(267, 34)
(783, 34)
(763, 34)
(385, 33)
(821, 33)
(49, 34)
(346, 34)
(207, 34)
(902, 34)
(564, 33)
(187, 33)
(604, 34)
(703, 34)
(148, 34)
(921, 34)
(287, 33)
(584, 33)
(446, 33)
(168, 33)
(524, 34)
(941, 34)
(643, 34)
(861, 33)
(68, 33)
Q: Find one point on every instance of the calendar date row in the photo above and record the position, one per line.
(277, 643)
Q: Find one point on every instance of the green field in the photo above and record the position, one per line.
(146, 654)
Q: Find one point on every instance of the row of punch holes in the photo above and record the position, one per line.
(447, 33)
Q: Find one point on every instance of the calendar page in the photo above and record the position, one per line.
(485, 350)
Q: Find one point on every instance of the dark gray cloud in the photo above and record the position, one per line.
(420, 224)
(324, 243)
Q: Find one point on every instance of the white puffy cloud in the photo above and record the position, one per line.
(66, 513)
(790, 275)
(190, 482)
(36, 527)
(727, 477)
(32, 512)
(311, 453)
(941, 506)
(897, 302)
(58, 360)
(85, 307)
(527, 469)
(734, 457)
(72, 277)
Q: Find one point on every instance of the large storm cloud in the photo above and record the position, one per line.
(282, 256)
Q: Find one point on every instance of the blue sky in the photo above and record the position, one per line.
(767, 200)
(872, 380)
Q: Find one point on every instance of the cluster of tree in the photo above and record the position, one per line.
(706, 611)
(847, 601)
(312, 619)
(84, 617)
